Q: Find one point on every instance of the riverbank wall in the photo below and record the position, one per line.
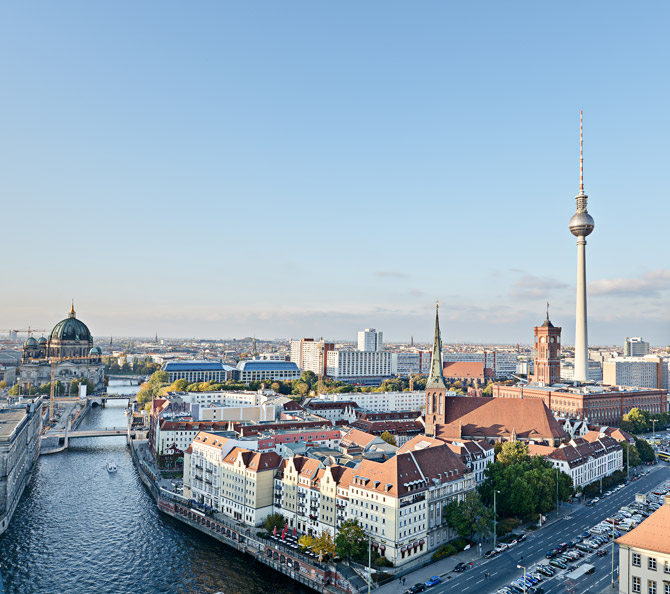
(321, 577)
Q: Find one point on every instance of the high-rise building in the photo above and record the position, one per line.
(635, 347)
(370, 340)
(581, 225)
(547, 348)
(311, 355)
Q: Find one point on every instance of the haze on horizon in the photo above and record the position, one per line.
(302, 169)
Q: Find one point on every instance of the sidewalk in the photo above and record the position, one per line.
(444, 567)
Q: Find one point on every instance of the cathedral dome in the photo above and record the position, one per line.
(42, 340)
(31, 342)
(95, 352)
(71, 329)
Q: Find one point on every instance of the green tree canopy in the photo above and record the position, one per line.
(513, 452)
(388, 438)
(470, 518)
(274, 521)
(645, 451)
(351, 541)
(630, 454)
(527, 486)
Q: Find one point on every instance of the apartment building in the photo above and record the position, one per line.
(583, 460)
(230, 479)
(310, 354)
(398, 502)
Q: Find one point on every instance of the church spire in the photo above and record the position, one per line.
(436, 376)
(72, 314)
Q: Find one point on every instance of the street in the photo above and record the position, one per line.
(502, 569)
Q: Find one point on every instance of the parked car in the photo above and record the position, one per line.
(436, 579)
(416, 588)
(602, 552)
(489, 554)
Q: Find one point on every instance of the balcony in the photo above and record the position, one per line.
(412, 500)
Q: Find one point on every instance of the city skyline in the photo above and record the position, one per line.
(317, 170)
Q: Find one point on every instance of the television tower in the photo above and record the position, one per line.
(581, 225)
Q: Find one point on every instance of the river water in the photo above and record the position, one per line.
(81, 530)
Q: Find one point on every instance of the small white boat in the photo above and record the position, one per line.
(111, 466)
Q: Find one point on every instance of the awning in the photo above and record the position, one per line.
(403, 550)
(421, 542)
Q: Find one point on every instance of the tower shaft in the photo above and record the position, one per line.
(581, 332)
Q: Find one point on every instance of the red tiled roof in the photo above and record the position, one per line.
(652, 533)
(464, 369)
(528, 418)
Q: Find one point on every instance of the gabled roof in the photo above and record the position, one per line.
(465, 369)
(356, 437)
(412, 471)
(528, 418)
(256, 461)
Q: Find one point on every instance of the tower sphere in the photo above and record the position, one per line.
(581, 224)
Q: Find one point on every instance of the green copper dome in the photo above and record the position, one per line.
(71, 329)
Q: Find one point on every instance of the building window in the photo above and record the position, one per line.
(666, 588)
(651, 587)
(636, 584)
(636, 559)
(651, 564)
(666, 569)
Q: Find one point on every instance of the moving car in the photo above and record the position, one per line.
(436, 579)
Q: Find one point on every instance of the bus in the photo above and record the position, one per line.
(665, 456)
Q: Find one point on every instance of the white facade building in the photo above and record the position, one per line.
(383, 401)
(640, 372)
(414, 362)
(361, 366)
(370, 340)
(587, 462)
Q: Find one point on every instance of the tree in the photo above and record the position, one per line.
(388, 438)
(527, 486)
(300, 387)
(274, 521)
(488, 390)
(351, 541)
(3, 385)
(631, 455)
(636, 421)
(323, 545)
(645, 451)
(469, 517)
(305, 541)
(75, 383)
(513, 451)
(309, 377)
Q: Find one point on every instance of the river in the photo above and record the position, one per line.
(81, 530)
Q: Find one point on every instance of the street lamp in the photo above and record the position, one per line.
(524, 576)
(653, 431)
(557, 492)
(495, 518)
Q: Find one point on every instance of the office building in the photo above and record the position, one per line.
(370, 340)
(635, 347)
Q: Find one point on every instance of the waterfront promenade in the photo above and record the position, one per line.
(273, 552)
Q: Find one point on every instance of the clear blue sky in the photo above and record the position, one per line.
(289, 169)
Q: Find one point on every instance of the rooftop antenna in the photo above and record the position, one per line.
(547, 310)
(581, 152)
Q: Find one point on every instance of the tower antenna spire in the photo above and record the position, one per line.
(581, 152)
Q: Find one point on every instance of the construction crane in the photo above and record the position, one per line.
(52, 388)
(28, 330)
